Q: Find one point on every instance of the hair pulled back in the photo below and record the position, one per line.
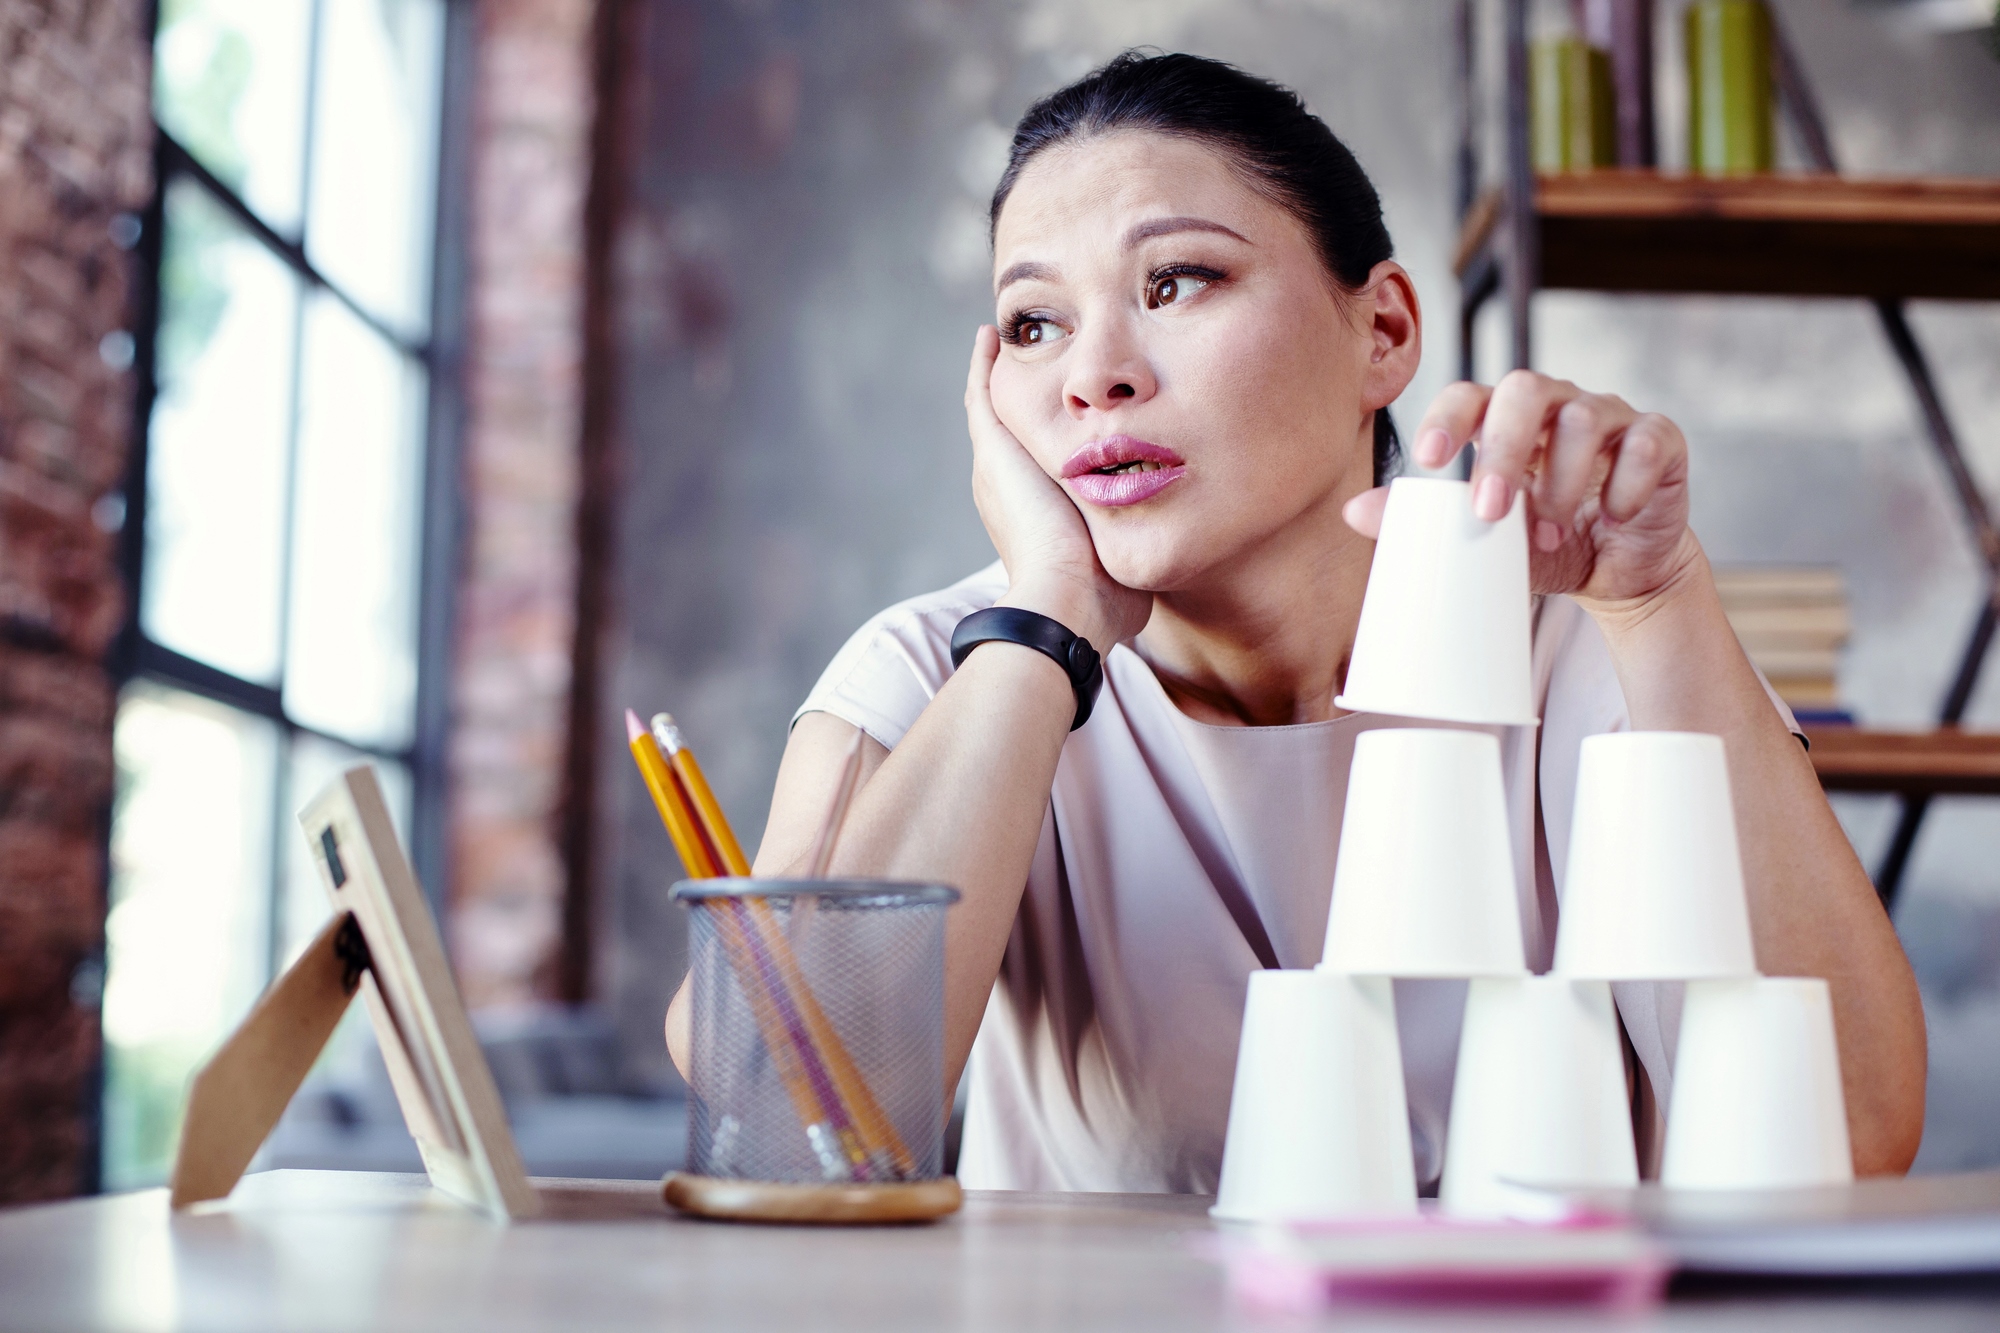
(1287, 153)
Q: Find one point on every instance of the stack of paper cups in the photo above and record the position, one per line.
(1757, 1100)
(1655, 892)
(1424, 886)
(1318, 1123)
(1539, 1098)
(1444, 630)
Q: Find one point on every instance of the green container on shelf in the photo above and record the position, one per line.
(1574, 125)
(1732, 106)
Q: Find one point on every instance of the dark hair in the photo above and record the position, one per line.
(1287, 152)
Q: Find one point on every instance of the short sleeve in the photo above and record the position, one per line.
(887, 673)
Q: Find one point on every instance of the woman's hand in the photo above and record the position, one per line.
(1606, 485)
(1052, 566)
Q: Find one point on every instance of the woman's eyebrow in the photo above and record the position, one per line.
(1028, 269)
(1024, 271)
(1168, 226)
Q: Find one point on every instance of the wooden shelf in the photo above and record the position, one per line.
(1800, 235)
(1912, 762)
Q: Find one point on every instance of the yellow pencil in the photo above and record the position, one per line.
(878, 1132)
(659, 778)
(707, 808)
(732, 931)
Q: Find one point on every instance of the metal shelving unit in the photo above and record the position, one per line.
(1817, 234)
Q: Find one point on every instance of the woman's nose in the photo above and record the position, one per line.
(1107, 370)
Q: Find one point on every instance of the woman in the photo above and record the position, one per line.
(1179, 435)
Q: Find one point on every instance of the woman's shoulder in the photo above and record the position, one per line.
(891, 667)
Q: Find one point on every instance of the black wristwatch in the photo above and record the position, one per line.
(1010, 624)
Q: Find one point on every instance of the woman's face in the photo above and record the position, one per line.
(1175, 354)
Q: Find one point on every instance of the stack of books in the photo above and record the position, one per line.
(1793, 621)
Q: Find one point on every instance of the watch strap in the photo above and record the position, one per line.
(1030, 629)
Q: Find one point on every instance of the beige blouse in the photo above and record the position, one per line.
(1175, 859)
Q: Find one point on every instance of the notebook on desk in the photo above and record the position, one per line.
(1883, 1227)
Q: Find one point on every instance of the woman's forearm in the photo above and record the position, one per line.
(1813, 911)
(960, 801)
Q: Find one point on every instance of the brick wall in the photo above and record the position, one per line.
(517, 591)
(74, 155)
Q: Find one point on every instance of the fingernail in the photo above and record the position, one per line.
(1490, 500)
(1434, 449)
(1548, 536)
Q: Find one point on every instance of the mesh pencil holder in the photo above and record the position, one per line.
(817, 1061)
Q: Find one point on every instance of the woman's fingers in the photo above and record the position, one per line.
(979, 378)
(991, 440)
(1450, 423)
(1586, 428)
(1651, 449)
(1577, 456)
(1364, 512)
(1517, 420)
(1534, 433)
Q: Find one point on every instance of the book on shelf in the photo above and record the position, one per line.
(1793, 621)
(1818, 693)
(1803, 626)
(1781, 585)
(1800, 664)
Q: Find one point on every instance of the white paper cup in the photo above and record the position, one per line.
(1318, 1123)
(1654, 886)
(1444, 624)
(1539, 1098)
(1424, 886)
(1757, 1100)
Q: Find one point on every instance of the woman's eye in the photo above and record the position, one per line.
(1035, 332)
(1172, 288)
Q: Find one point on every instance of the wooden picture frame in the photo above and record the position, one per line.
(384, 942)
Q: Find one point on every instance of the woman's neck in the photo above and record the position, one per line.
(1265, 640)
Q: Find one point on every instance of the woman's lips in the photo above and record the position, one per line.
(1119, 470)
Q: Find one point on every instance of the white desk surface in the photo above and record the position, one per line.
(330, 1250)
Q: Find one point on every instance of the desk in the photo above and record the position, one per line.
(327, 1250)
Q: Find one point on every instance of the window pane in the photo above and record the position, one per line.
(351, 666)
(374, 153)
(187, 937)
(229, 80)
(216, 470)
(303, 906)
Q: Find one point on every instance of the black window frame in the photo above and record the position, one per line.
(135, 656)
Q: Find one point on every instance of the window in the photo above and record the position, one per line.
(275, 538)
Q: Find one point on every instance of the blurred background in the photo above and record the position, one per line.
(423, 382)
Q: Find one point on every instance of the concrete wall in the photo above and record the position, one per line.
(804, 263)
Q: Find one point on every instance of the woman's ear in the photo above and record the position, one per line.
(1396, 334)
